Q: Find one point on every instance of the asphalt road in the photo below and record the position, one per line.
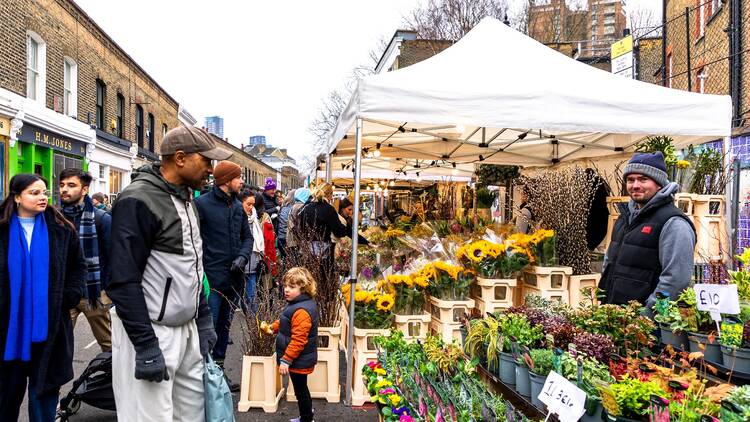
(86, 349)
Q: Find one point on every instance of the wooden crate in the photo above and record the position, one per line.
(546, 278)
(449, 331)
(261, 384)
(711, 239)
(360, 395)
(449, 311)
(324, 381)
(413, 326)
(578, 283)
(709, 206)
(493, 295)
(685, 202)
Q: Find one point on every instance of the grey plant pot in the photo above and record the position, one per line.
(736, 359)
(712, 353)
(507, 368)
(537, 383)
(593, 410)
(677, 339)
(523, 384)
(610, 418)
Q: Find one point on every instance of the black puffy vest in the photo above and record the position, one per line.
(309, 356)
(633, 266)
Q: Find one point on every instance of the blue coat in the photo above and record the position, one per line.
(226, 235)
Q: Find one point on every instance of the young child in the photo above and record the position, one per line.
(296, 339)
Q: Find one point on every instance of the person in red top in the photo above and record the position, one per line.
(297, 332)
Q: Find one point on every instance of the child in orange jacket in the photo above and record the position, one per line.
(297, 332)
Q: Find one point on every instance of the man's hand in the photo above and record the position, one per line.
(207, 339)
(238, 265)
(283, 368)
(150, 364)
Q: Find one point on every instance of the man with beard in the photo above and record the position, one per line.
(652, 241)
(162, 329)
(93, 226)
(227, 241)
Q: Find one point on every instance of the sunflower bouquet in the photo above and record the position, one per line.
(445, 281)
(540, 246)
(493, 260)
(372, 309)
(408, 293)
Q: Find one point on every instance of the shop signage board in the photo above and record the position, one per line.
(4, 127)
(622, 57)
(35, 135)
(563, 398)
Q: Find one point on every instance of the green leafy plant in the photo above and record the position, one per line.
(633, 396)
(593, 372)
(542, 361)
(731, 334)
(630, 330)
(665, 145)
(736, 406)
(483, 339)
(672, 318)
(696, 321)
(516, 326)
(708, 177)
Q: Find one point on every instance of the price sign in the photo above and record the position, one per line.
(717, 299)
(563, 398)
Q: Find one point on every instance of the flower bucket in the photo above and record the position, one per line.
(712, 353)
(360, 395)
(363, 339)
(449, 311)
(736, 359)
(507, 368)
(578, 287)
(551, 283)
(413, 326)
(448, 331)
(324, 380)
(678, 340)
(523, 383)
(494, 294)
(537, 382)
(261, 384)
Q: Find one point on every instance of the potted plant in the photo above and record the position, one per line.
(673, 327)
(701, 329)
(483, 341)
(496, 266)
(592, 373)
(409, 294)
(734, 347)
(629, 399)
(628, 329)
(736, 406)
(541, 362)
(523, 381)
(516, 332)
(261, 384)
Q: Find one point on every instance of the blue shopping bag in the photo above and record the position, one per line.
(219, 405)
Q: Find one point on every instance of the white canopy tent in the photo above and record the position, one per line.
(500, 97)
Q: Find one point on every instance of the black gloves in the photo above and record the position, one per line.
(206, 334)
(150, 364)
(238, 265)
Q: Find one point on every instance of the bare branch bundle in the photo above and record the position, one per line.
(561, 201)
(265, 306)
(452, 19)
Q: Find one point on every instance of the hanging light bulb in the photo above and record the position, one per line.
(459, 129)
(385, 192)
(392, 183)
(376, 154)
(419, 178)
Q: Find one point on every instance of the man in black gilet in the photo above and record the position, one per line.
(652, 241)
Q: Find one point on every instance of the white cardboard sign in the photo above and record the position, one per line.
(563, 398)
(717, 299)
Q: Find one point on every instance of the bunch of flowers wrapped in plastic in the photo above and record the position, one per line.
(493, 260)
(408, 292)
(444, 280)
(540, 246)
(372, 309)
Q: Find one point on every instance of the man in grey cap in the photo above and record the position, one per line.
(161, 324)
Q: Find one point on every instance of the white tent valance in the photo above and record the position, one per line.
(498, 96)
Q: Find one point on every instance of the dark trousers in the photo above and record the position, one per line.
(13, 379)
(222, 304)
(304, 401)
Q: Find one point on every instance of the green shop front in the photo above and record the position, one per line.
(45, 153)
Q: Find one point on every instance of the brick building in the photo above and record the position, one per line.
(254, 171)
(55, 57)
(608, 22)
(555, 21)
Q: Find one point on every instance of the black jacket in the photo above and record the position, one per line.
(318, 219)
(103, 222)
(272, 207)
(67, 273)
(226, 235)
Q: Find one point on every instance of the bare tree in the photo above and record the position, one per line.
(553, 21)
(642, 21)
(452, 19)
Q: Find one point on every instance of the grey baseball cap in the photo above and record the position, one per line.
(190, 139)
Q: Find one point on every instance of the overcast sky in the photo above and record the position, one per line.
(263, 65)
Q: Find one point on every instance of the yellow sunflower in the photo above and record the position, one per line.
(385, 302)
(421, 281)
(362, 297)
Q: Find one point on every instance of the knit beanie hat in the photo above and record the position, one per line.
(270, 184)
(225, 172)
(302, 195)
(650, 165)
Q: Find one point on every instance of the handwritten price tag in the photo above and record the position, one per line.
(563, 398)
(717, 299)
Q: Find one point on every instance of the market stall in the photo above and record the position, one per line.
(487, 99)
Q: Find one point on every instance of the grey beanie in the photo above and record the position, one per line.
(650, 165)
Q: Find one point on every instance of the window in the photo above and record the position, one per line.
(120, 114)
(102, 172)
(164, 130)
(139, 125)
(115, 181)
(701, 16)
(70, 87)
(101, 93)
(668, 83)
(700, 80)
(36, 64)
(150, 132)
(715, 6)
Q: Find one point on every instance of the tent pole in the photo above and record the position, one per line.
(353, 272)
(329, 170)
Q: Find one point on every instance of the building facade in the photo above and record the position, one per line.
(608, 21)
(254, 171)
(60, 65)
(257, 140)
(286, 175)
(215, 125)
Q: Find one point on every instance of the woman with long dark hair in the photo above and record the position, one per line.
(41, 279)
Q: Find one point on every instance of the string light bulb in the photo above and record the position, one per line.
(419, 178)
(392, 183)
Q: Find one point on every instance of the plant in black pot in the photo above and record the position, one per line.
(629, 399)
(702, 336)
(541, 362)
(672, 325)
(515, 328)
(734, 347)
